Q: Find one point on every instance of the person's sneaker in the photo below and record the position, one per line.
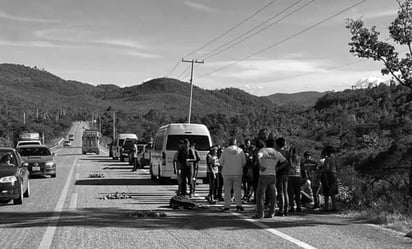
(239, 208)
(226, 209)
(221, 199)
(279, 213)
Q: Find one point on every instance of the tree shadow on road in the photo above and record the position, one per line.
(198, 219)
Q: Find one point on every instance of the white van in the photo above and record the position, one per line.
(117, 145)
(165, 146)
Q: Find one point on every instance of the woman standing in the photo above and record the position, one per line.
(329, 178)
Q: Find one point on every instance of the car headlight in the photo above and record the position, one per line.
(49, 164)
(8, 179)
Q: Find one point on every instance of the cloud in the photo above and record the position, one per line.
(261, 69)
(144, 55)
(4, 15)
(199, 6)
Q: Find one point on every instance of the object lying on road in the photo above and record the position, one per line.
(116, 195)
(96, 174)
(178, 201)
(147, 213)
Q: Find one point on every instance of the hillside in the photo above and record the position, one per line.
(307, 99)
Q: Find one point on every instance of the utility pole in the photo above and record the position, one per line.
(114, 125)
(191, 85)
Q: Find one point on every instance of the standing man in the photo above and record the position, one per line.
(194, 154)
(268, 159)
(135, 161)
(282, 176)
(185, 159)
(177, 168)
(233, 160)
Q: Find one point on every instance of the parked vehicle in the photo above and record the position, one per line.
(40, 160)
(14, 177)
(90, 141)
(118, 144)
(127, 149)
(143, 155)
(67, 143)
(26, 138)
(166, 143)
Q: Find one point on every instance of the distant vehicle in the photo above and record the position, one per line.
(22, 143)
(90, 141)
(142, 155)
(40, 160)
(71, 137)
(118, 144)
(26, 138)
(166, 143)
(14, 177)
(67, 143)
(127, 149)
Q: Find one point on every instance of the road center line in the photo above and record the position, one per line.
(275, 232)
(51, 228)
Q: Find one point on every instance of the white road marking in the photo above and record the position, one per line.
(275, 232)
(73, 201)
(54, 220)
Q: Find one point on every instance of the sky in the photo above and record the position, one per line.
(262, 46)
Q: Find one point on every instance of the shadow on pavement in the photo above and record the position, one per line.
(197, 219)
(103, 181)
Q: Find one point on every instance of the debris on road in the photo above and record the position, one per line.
(116, 195)
(96, 174)
(147, 213)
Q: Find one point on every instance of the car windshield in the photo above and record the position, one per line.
(5, 155)
(34, 151)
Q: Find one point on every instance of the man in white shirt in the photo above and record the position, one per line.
(268, 159)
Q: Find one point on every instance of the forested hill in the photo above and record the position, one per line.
(307, 99)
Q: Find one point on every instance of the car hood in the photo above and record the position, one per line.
(8, 171)
(37, 158)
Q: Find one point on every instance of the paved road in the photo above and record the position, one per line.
(69, 212)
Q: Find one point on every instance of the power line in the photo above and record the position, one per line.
(174, 68)
(232, 28)
(286, 39)
(216, 51)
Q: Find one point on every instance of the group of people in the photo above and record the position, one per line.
(268, 173)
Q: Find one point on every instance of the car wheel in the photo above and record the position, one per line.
(5, 201)
(19, 200)
(27, 193)
(53, 176)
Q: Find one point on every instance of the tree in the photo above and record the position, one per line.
(365, 43)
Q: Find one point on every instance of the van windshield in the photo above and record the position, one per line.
(202, 142)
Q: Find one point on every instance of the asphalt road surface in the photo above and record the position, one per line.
(71, 211)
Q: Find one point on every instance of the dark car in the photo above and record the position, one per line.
(39, 159)
(14, 177)
(127, 148)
